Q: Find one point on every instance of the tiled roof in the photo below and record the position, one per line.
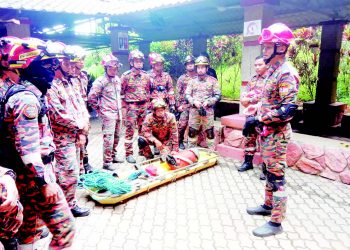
(89, 7)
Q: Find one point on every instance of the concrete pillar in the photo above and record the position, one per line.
(328, 69)
(18, 30)
(199, 45)
(325, 112)
(120, 46)
(144, 47)
(257, 15)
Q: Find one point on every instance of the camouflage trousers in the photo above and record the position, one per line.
(274, 151)
(166, 148)
(135, 115)
(250, 144)
(182, 124)
(67, 169)
(111, 132)
(57, 217)
(11, 220)
(198, 122)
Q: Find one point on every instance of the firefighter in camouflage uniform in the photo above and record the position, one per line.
(69, 128)
(250, 99)
(202, 93)
(278, 105)
(135, 94)
(104, 97)
(31, 147)
(160, 130)
(182, 106)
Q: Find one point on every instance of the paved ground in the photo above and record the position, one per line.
(207, 211)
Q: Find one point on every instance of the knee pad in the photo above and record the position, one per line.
(275, 181)
(142, 142)
(210, 133)
(192, 133)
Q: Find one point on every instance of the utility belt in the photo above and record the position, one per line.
(159, 89)
(137, 102)
(48, 158)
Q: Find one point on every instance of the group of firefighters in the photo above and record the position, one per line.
(45, 124)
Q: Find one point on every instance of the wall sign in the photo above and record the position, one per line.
(252, 28)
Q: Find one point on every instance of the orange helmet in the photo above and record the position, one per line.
(158, 58)
(110, 60)
(158, 103)
(136, 54)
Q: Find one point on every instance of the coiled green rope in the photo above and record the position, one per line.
(100, 180)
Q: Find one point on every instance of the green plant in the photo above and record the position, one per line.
(304, 54)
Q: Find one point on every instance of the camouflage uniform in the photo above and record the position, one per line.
(11, 220)
(32, 137)
(163, 129)
(104, 97)
(253, 91)
(281, 87)
(182, 83)
(66, 123)
(162, 87)
(205, 89)
(135, 92)
(80, 87)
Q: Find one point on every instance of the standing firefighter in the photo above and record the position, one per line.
(182, 105)
(160, 130)
(161, 82)
(277, 109)
(135, 92)
(104, 97)
(30, 142)
(69, 131)
(250, 99)
(202, 93)
(80, 83)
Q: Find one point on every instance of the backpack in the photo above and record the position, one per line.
(9, 157)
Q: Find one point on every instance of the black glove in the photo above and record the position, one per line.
(202, 111)
(172, 110)
(250, 124)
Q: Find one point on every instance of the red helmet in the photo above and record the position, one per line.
(136, 54)
(276, 33)
(6, 44)
(110, 60)
(21, 56)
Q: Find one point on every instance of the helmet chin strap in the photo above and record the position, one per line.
(275, 53)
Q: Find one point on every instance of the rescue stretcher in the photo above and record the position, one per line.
(164, 174)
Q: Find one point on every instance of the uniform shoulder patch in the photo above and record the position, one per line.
(30, 111)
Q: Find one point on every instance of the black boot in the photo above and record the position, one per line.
(10, 244)
(80, 211)
(87, 167)
(263, 172)
(247, 164)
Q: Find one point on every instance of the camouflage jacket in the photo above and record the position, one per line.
(162, 87)
(281, 87)
(135, 87)
(80, 84)
(104, 96)
(161, 129)
(32, 138)
(64, 110)
(206, 89)
(182, 83)
(254, 89)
